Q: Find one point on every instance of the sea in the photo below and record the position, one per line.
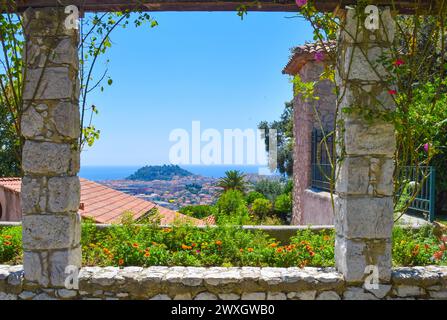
(101, 173)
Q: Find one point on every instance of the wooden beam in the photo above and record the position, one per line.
(403, 6)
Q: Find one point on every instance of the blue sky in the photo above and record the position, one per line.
(210, 67)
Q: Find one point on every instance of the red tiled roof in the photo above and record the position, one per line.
(13, 184)
(305, 53)
(106, 205)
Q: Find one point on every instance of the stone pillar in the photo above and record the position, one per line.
(50, 127)
(365, 150)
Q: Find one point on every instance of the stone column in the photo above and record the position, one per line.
(365, 150)
(50, 162)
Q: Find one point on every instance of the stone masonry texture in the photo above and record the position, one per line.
(365, 150)
(246, 283)
(51, 128)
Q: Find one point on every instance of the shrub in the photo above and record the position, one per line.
(252, 196)
(198, 211)
(261, 208)
(230, 202)
(269, 188)
(283, 203)
(10, 245)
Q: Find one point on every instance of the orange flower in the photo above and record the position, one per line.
(426, 246)
(311, 253)
(154, 243)
(106, 251)
(7, 243)
(147, 254)
(279, 250)
(167, 230)
(438, 255)
(7, 236)
(185, 247)
(193, 245)
(135, 245)
(250, 249)
(241, 250)
(273, 245)
(326, 238)
(218, 242)
(120, 262)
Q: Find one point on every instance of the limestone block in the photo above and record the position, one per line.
(381, 291)
(353, 256)
(66, 294)
(355, 32)
(276, 296)
(365, 217)
(59, 260)
(206, 296)
(47, 158)
(49, 21)
(362, 138)
(302, 295)
(49, 83)
(356, 293)
(32, 124)
(63, 194)
(353, 176)
(58, 50)
(66, 118)
(35, 266)
(408, 291)
(253, 296)
(328, 295)
(33, 195)
(51, 231)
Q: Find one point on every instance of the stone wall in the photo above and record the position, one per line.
(246, 283)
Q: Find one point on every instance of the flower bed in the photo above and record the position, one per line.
(148, 245)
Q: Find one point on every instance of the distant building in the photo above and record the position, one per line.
(98, 202)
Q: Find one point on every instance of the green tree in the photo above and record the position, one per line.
(233, 180)
(252, 196)
(284, 129)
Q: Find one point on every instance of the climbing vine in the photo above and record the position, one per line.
(415, 67)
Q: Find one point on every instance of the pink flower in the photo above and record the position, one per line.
(399, 62)
(426, 147)
(301, 3)
(319, 56)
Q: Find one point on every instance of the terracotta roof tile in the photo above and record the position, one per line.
(106, 205)
(305, 53)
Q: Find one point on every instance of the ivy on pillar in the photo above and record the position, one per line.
(50, 128)
(365, 149)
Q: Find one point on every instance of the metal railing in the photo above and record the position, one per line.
(418, 183)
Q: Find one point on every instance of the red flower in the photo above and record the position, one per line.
(120, 262)
(392, 92)
(398, 62)
(135, 245)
